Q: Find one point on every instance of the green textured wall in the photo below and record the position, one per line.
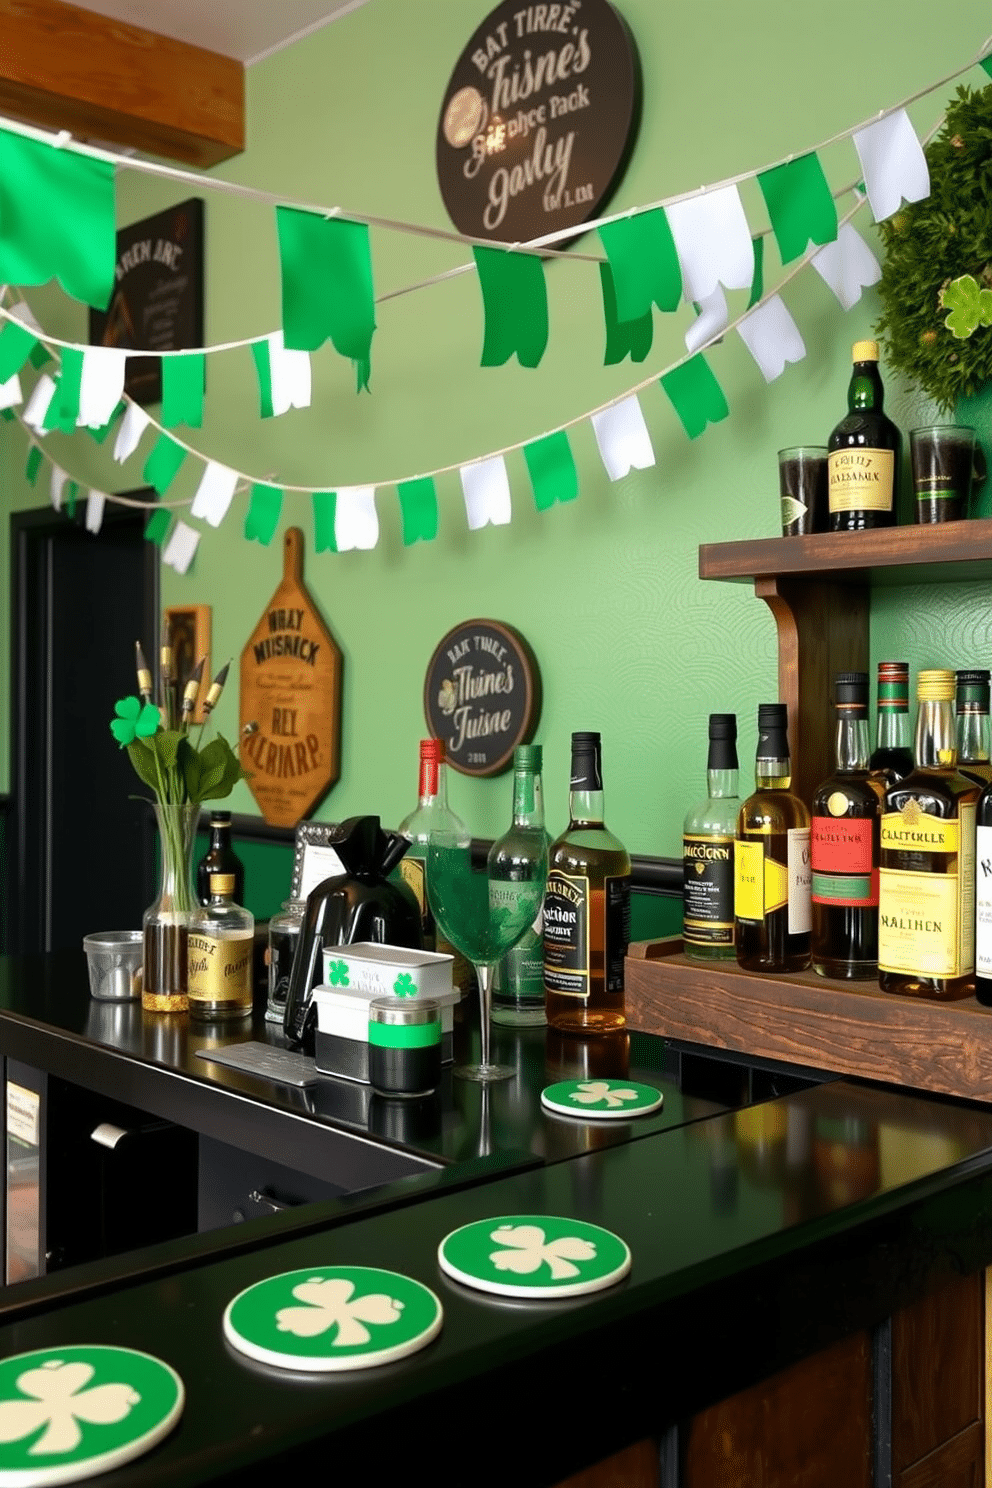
(628, 640)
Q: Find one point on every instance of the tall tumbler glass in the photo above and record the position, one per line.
(802, 485)
(943, 460)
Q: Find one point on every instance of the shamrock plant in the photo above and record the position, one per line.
(328, 1302)
(527, 1250)
(57, 1398)
(969, 305)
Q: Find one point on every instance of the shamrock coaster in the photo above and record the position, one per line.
(69, 1413)
(612, 1100)
(527, 1255)
(332, 1317)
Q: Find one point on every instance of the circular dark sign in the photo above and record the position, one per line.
(482, 695)
(538, 119)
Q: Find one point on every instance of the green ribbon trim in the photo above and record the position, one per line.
(405, 1035)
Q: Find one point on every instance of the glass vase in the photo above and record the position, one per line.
(166, 922)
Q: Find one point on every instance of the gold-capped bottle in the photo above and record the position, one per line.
(772, 858)
(864, 452)
(926, 920)
(220, 955)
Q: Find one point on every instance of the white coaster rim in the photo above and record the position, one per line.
(618, 1113)
(548, 1292)
(322, 1364)
(89, 1467)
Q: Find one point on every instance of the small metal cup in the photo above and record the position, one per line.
(114, 961)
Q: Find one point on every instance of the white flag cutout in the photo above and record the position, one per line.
(486, 489)
(847, 265)
(772, 337)
(95, 502)
(10, 392)
(713, 242)
(101, 384)
(214, 494)
(356, 523)
(623, 438)
(289, 375)
(713, 316)
(41, 397)
(178, 551)
(57, 486)
(133, 425)
(893, 162)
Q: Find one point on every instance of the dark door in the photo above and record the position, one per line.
(83, 847)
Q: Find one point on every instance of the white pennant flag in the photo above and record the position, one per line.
(10, 392)
(178, 551)
(623, 438)
(486, 489)
(713, 316)
(95, 503)
(772, 337)
(101, 384)
(290, 376)
(847, 265)
(356, 523)
(41, 397)
(214, 494)
(893, 162)
(713, 242)
(133, 425)
(57, 486)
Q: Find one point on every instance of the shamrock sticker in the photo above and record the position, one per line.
(134, 720)
(970, 306)
(337, 974)
(528, 1251)
(403, 985)
(328, 1303)
(58, 1400)
(590, 1092)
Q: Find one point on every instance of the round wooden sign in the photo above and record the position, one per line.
(538, 119)
(482, 695)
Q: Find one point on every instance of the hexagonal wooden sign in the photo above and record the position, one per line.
(291, 689)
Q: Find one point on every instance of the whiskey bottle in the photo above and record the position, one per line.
(586, 908)
(220, 857)
(521, 856)
(983, 898)
(708, 851)
(973, 726)
(892, 757)
(220, 955)
(926, 918)
(864, 452)
(771, 859)
(432, 814)
(847, 810)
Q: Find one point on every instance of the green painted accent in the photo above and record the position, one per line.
(418, 505)
(264, 511)
(183, 380)
(696, 395)
(516, 306)
(799, 204)
(326, 285)
(552, 470)
(623, 337)
(16, 345)
(162, 465)
(644, 262)
(395, 1036)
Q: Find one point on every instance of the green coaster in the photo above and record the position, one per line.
(68, 1413)
(610, 1100)
(332, 1317)
(534, 1255)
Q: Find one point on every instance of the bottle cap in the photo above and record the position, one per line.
(220, 818)
(975, 678)
(723, 726)
(935, 686)
(586, 772)
(432, 749)
(222, 883)
(864, 351)
(851, 692)
(973, 690)
(893, 686)
(528, 757)
(772, 716)
(773, 725)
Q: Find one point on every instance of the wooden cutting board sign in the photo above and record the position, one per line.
(291, 689)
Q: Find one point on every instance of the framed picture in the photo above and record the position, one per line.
(188, 627)
(314, 859)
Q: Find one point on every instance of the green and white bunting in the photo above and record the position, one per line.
(800, 205)
(536, 1256)
(515, 298)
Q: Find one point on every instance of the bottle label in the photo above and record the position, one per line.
(568, 907)
(220, 968)
(926, 921)
(800, 912)
(792, 510)
(843, 871)
(983, 902)
(860, 479)
(749, 880)
(762, 884)
(708, 890)
(916, 832)
(412, 873)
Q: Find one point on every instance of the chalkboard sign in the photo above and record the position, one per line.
(482, 696)
(157, 301)
(538, 120)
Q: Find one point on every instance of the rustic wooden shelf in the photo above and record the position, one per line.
(850, 1028)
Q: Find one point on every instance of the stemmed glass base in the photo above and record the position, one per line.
(485, 1070)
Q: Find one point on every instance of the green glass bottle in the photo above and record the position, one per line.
(864, 452)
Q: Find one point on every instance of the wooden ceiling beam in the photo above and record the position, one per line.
(66, 68)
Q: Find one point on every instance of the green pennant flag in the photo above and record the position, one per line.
(57, 219)
(986, 63)
(162, 465)
(33, 465)
(63, 410)
(264, 511)
(263, 367)
(758, 282)
(326, 265)
(645, 265)
(799, 205)
(418, 508)
(7, 414)
(39, 355)
(70, 495)
(623, 337)
(325, 509)
(515, 299)
(696, 395)
(16, 345)
(158, 525)
(183, 379)
(99, 435)
(552, 470)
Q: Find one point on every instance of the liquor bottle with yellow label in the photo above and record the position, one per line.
(864, 452)
(926, 920)
(772, 859)
(220, 955)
